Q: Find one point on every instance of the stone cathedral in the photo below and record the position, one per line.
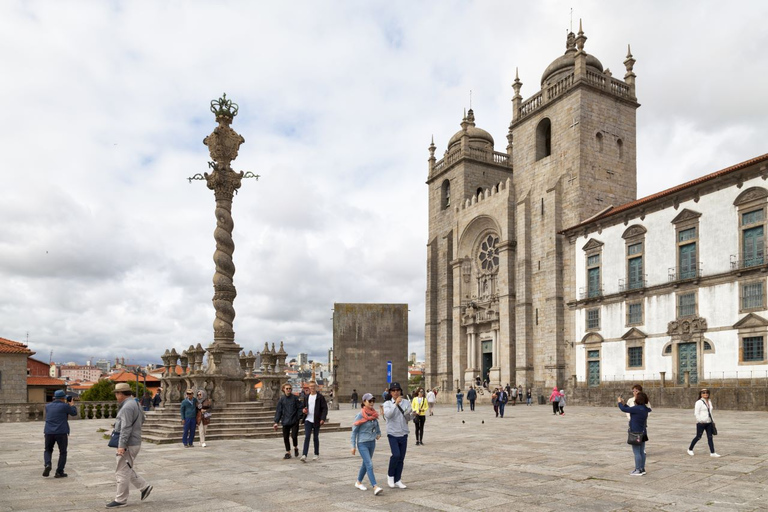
(499, 271)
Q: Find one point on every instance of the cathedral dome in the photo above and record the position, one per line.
(565, 63)
(477, 136)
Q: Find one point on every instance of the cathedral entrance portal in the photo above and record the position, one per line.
(487, 347)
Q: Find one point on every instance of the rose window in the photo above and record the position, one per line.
(489, 253)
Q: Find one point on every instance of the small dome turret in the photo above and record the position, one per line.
(567, 62)
(478, 138)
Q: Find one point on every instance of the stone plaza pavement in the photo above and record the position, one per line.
(531, 460)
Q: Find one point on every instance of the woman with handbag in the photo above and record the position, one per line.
(420, 407)
(704, 422)
(638, 418)
(365, 433)
(203, 414)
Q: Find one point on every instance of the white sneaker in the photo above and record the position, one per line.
(400, 484)
(315, 457)
(303, 458)
(713, 454)
(377, 490)
(391, 481)
(361, 486)
(690, 452)
(203, 445)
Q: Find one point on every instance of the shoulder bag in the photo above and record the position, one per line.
(714, 428)
(636, 438)
(114, 439)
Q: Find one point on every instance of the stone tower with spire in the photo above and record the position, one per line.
(497, 274)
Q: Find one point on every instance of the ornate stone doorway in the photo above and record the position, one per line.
(687, 360)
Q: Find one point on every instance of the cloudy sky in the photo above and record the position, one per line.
(105, 248)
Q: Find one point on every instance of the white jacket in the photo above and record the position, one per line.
(701, 413)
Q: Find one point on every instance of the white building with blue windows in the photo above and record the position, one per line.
(673, 286)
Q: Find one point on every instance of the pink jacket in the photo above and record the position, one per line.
(555, 394)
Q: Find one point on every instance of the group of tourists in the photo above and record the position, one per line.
(310, 407)
(638, 408)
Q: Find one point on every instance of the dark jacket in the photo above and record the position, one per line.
(321, 408)
(156, 400)
(471, 395)
(288, 410)
(638, 416)
(503, 397)
(56, 417)
(188, 408)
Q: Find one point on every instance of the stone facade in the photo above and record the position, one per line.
(497, 269)
(13, 371)
(365, 337)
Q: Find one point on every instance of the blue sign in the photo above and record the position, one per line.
(389, 372)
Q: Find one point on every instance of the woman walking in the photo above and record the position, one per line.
(704, 423)
(204, 414)
(365, 433)
(528, 396)
(431, 399)
(638, 418)
(420, 407)
(554, 398)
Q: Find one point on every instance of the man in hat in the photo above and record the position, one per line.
(57, 431)
(398, 413)
(128, 422)
(189, 418)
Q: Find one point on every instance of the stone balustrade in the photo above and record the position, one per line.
(23, 412)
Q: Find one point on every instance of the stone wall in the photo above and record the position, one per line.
(13, 378)
(738, 398)
(365, 337)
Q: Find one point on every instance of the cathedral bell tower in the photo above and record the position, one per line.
(574, 156)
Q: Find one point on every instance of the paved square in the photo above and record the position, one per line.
(531, 460)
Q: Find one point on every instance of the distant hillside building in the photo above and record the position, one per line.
(79, 372)
(365, 337)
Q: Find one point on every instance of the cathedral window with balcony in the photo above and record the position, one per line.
(751, 205)
(687, 241)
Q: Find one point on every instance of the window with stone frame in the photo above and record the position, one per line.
(753, 349)
(752, 296)
(543, 139)
(686, 304)
(687, 242)
(445, 199)
(751, 206)
(593, 319)
(634, 313)
(593, 367)
(592, 256)
(634, 357)
(634, 240)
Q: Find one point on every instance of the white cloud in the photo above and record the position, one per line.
(106, 250)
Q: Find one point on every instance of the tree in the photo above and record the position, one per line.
(102, 391)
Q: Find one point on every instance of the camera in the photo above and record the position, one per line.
(69, 398)
(388, 397)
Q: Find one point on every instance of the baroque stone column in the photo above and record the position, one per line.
(224, 354)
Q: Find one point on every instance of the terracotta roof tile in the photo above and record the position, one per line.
(647, 199)
(44, 381)
(13, 347)
(123, 376)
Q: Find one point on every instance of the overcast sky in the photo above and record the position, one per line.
(106, 249)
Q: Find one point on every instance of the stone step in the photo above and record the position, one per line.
(211, 436)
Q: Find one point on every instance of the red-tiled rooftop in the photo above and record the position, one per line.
(44, 381)
(13, 347)
(123, 376)
(647, 199)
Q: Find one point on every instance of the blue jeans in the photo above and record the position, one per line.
(314, 430)
(62, 440)
(459, 405)
(700, 428)
(366, 452)
(189, 431)
(639, 451)
(398, 446)
(501, 408)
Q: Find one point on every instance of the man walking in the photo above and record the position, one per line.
(398, 413)
(57, 431)
(287, 413)
(502, 399)
(354, 399)
(316, 412)
(128, 422)
(471, 396)
(189, 418)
